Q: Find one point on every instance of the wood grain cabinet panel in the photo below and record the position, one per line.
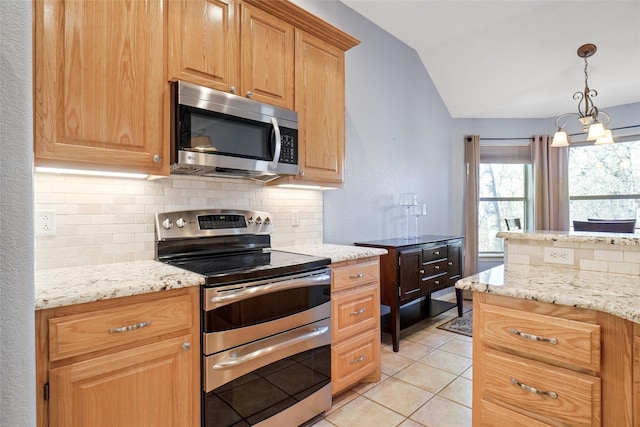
(558, 340)
(355, 323)
(585, 378)
(204, 43)
(100, 93)
(319, 86)
(141, 376)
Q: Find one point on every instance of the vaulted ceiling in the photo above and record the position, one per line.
(517, 58)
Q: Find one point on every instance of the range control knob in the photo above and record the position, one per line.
(250, 220)
(181, 222)
(258, 220)
(267, 221)
(167, 224)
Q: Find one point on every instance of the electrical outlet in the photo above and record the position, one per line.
(45, 223)
(295, 218)
(558, 255)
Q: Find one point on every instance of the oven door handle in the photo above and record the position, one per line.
(236, 357)
(245, 292)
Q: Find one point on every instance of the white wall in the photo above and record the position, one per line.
(17, 334)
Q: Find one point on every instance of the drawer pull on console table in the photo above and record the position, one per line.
(410, 272)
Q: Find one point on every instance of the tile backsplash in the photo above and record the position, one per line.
(104, 220)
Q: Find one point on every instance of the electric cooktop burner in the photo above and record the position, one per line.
(226, 246)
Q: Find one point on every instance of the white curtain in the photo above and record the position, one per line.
(472, 162)
(551, 184)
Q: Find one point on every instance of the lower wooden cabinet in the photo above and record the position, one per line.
(543, 364)
(130, 361)
(636, 373)
(355, 322)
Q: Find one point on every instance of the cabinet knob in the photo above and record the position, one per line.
(249, 94)
(301, 173)
(233, 90)
(421, 271)
(450, 263)
(186, 346)
(157, 158)
(436, 267)
(436, 252)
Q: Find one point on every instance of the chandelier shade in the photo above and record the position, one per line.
(594, 122)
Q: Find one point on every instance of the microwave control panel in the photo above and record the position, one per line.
(289, 146)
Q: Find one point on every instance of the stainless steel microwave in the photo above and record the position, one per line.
(216, 133)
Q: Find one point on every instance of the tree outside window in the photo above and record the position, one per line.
(604, 181)
(503, 194)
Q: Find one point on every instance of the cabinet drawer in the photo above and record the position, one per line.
(354, 359)
(354, 311)
(433, 253)
(434, 268)
(83, 333)
(434, 283)
(576, 343)
(490, 415)
(355, 275)
(507, 378)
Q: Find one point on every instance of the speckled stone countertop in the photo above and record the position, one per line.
(337, 253)
(627, 239)
(75, 285)
(617, 294)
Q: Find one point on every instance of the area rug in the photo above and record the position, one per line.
(459, 325)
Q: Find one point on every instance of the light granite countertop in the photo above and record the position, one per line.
(627, 239)
(617, 294)
(337, 253)
(75, 285)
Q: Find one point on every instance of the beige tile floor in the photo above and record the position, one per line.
(427, 383)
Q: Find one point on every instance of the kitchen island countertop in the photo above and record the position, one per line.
(337, 253)
(75, 285)
(617, 294)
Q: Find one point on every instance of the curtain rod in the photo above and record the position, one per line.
(529, 138)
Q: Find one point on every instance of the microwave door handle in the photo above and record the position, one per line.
(276, 154)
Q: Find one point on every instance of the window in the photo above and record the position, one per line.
(604, 181)
(504, 190)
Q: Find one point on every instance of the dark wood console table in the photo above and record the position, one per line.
(411, 271)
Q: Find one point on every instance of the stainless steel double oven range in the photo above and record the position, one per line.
(266, 327)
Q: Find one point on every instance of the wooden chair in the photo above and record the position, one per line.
(606, 225)
(513, 223)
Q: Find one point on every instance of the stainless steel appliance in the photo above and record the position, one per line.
(266, 327)
(216, 133)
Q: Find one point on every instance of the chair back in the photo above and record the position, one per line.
(606, 225)
(513, 223)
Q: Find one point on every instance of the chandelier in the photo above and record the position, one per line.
(594, 122)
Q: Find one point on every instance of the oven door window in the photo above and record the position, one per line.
(266, 391)
(210, 132)
(265, 308)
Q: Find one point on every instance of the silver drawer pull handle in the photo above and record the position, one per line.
(358, 360)
(356, 276)
(436, 252)
(130, 327)
(357, 313)
(437, 267)
(551, 394)
(532, 337)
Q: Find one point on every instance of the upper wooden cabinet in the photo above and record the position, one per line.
(232, 47)
(100, 92)
(320, 106)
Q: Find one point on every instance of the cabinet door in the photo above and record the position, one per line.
(319, 86)
(454, 255)
(203, 43)
(266, 58)
(410, 274)
(100, 95)
(147, 386)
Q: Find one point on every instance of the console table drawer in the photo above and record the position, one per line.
(434, 252)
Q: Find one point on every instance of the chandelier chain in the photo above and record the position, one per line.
(586, 75)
